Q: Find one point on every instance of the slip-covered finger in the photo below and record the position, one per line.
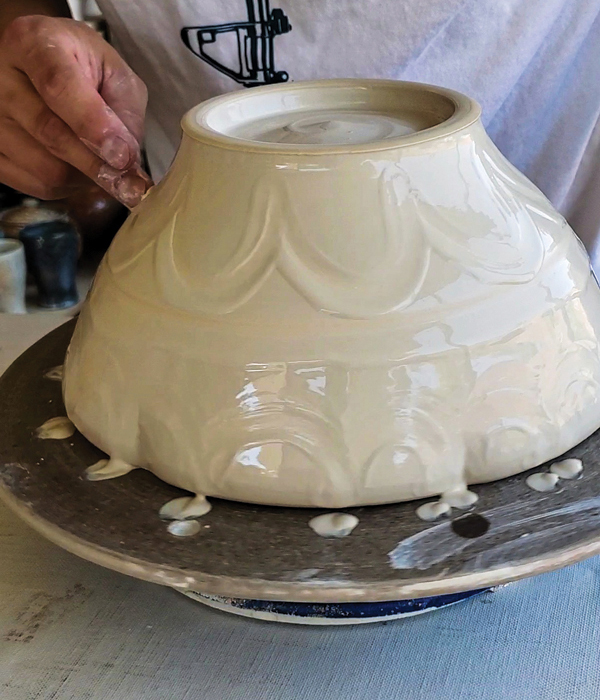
(52, 133)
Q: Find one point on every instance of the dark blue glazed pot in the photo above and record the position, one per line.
(51, 251)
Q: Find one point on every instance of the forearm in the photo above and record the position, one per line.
(11, 9)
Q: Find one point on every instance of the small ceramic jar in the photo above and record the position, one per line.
(12, 276)
(96, 214)
(30, 211)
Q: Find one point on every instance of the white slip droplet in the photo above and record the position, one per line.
(185, 508)
(55, 374)
(459, 498)
(59, 428)
(108, 469)
(184, 528)
(334, 524)
(542, 481)
(433, 510)
(567, 469)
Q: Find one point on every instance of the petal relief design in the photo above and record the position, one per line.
(509, 430)
(145, 225)
(280, 440)
(501, 245)
(345, 276)
(421, 452)
(494, 226)
(518, 185)
(190, 282)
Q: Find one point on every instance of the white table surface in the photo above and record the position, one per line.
(70, 630)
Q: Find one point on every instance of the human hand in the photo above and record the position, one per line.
(70, 109)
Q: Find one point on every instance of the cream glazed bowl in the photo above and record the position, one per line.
(340, 294)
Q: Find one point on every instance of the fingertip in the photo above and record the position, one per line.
(137, 169)
(131, 190)
(129, 187)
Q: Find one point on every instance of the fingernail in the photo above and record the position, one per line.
(115, 151)
(143, 174)
(130, 189)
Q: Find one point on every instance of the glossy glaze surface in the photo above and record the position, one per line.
(318, 326)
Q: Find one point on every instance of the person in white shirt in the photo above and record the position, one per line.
(74, 107)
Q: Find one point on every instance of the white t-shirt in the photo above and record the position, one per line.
(534, 65)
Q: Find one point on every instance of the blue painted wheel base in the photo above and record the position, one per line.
(331, 613)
